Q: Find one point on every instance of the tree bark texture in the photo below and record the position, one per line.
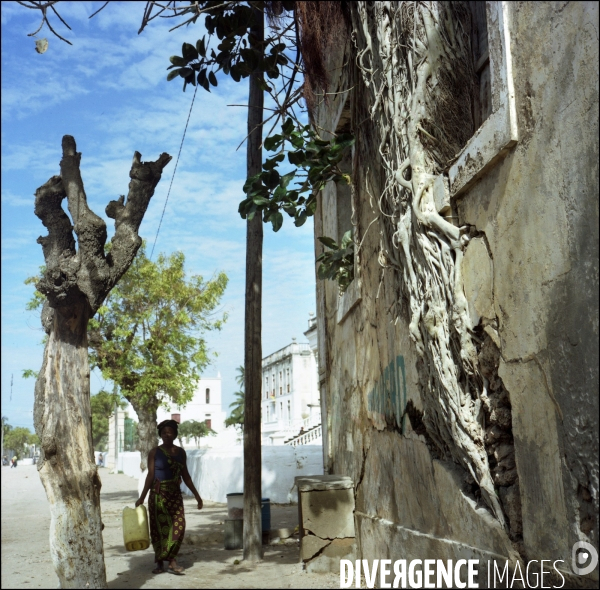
(76, 283)
(253, 323)
(148, 435)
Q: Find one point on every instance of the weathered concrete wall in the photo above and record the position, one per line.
(531, 280)
(538, 210)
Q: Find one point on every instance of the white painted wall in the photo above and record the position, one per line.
(129, 463)
(218, 472)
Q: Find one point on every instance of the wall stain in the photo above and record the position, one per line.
(388, 396)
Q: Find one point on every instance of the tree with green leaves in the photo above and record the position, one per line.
(18, 439)
(149, 339)
(194, 429)
(6, 427)
(236, 418)
(149, 336)
(103, 406)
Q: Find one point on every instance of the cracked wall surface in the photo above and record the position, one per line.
(530, 276)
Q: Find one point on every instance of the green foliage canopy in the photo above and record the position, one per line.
(148, 337)
(18, 438)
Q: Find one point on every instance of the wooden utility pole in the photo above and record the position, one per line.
(253, 320)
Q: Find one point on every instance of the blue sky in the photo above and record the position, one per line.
(109, 91)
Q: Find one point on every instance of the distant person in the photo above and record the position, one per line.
(13, 462)
(5, 460)
(166, 468)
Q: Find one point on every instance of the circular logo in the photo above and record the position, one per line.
(584, 558)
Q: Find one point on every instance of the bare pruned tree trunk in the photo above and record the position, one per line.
(253, 322)
(76, 282)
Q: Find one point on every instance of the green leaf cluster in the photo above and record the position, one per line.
(148, 337)
(194, 429)
(338, 263)
(18, 438)
(315, 162)
(38, 298)
(237, 54)
(236, 418)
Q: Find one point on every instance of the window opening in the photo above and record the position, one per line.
(482, 103)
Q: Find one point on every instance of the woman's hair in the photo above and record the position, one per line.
(171, 423)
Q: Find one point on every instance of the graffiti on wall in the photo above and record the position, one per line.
(388, 396)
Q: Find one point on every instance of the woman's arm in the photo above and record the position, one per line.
(149, 477)
(187, 480)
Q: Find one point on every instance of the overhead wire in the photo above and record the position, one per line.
(174, 171)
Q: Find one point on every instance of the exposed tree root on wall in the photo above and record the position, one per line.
(414, 59)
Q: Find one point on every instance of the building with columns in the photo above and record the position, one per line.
(290, 396)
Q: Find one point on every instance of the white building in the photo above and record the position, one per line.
(204, 407)
(290, 396)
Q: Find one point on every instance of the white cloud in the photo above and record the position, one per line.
(36, 154)
(14, 200)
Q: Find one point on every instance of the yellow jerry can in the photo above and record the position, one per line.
(135, 528)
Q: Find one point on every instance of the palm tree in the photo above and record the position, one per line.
(236, 418)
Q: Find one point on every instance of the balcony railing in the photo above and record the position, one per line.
(307, 438)
(292, 427)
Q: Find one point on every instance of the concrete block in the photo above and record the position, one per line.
(328, 514)
(329, 560)
(310, 546)
(340, 549)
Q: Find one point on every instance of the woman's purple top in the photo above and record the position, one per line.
(162, 469)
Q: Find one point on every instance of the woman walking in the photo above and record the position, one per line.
(166, 468)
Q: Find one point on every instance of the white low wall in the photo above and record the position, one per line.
(218, 472)
(129, 463)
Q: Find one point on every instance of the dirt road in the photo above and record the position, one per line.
(26, 559)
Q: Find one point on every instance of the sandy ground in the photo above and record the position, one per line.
(26, 559)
